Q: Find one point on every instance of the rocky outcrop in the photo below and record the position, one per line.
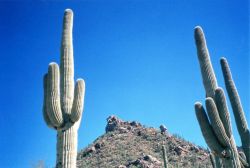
(116, 124)
(145, 161)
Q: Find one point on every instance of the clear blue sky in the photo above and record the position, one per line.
(138, 59)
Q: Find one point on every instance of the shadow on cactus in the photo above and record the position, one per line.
(63, 104)
(215, 121)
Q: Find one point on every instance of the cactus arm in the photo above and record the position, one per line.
(67, 63)
(216, 123)
(234, 97)
(207, 130)
(221, 104)
(45, 108)
(78, 102)
(207, 72)
(54, 108)
(237, 108)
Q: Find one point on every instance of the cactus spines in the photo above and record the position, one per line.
(217, 129)
(165, 159)
(63, 105)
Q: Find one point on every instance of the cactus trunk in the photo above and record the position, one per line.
(66, 148)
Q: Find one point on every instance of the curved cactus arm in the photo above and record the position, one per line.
(78, 102)
(237, 108)
(216, 123)
(54, 107)
(220, 100)
(67, 63)
(207, 72)
(45, 103)
(207, 130)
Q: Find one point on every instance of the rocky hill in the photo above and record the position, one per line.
(132, 145)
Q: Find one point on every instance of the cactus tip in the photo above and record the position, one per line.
(209, 102)
(68, 13)
(209, 99)
(54, 66)
(199, 35)
(52, 63)
(197, 28)
(197, 105)
(68, 10)
(80, 80)
(223, 60)
(219, 89)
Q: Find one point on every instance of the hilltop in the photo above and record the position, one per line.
(130, 144)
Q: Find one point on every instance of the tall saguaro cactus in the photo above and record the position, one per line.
(215, 124)
(63, 104)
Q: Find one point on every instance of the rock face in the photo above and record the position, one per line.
(116, 124)
(112, 123)
(130, 144)
(146, 161)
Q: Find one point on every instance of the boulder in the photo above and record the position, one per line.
(163, 129)
(112, 123)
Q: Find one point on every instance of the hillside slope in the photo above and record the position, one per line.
(130, 145)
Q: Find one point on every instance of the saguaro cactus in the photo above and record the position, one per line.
(217, 129)
(63, 105)
(165, 157)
